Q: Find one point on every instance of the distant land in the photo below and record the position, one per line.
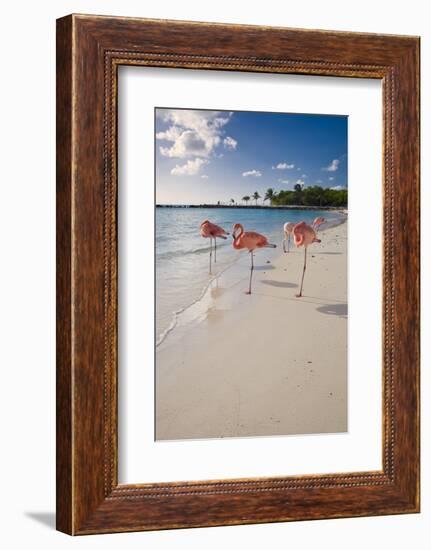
(255, 206)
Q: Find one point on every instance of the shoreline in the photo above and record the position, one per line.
(200, 395)
(160, 338)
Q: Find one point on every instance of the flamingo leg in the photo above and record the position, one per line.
(211, 252)
(288, 242)
(284, 246)
(303, 272)
(215, 250)
(251, 272)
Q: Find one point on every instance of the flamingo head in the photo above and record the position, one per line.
(237, 230)
(318, 221)
(205, 222)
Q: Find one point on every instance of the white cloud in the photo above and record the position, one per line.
(300, 182)
(337, 187)
(283, 181)
(171, 134)
(204, 176)
(283, 166)
(190, 143)
(230, 143)
(190, 168)
(331, 178)
(333, 166)
(304, 176)
(255, 173)
(191, 132)
(318, 181)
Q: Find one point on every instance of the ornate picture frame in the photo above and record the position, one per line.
(89, 51)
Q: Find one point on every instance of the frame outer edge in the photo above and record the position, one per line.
(407, 283)
(81, 508)
(64, 301)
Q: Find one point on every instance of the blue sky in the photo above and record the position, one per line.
(210, 156)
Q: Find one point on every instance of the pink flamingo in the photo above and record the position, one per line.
(304, 235)
(212, 231)
(318, 221)
(288, 230)
(250, 240)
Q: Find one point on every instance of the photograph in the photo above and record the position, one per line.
(251, 254)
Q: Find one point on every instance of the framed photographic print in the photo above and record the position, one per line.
(237, 274)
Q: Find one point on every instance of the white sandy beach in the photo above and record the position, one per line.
(265, 364)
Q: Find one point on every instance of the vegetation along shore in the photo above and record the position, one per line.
(299, 198)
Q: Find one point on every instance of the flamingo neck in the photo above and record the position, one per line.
(236, 234)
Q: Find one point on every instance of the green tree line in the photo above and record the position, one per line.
(308, 196)
(300, 196)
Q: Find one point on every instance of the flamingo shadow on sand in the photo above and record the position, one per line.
(263, 267)
(340, 310)
(278, 284)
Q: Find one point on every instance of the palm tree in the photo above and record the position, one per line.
(246, 199)
(256, 196)
(232, 201)
(269, 195)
